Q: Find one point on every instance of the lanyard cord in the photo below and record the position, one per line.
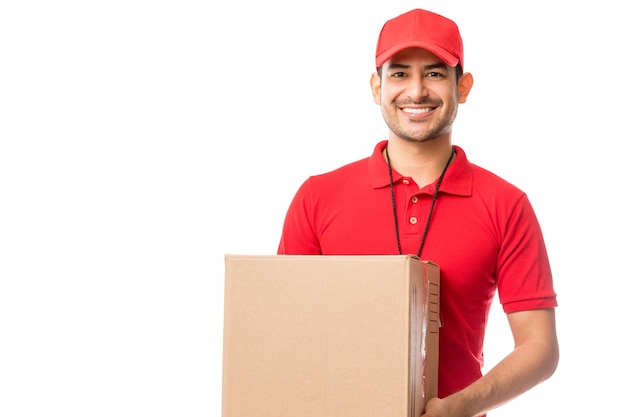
(432, 205)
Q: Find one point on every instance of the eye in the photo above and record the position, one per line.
(434, 74)
(398, 74)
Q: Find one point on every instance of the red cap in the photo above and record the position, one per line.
(420, 29)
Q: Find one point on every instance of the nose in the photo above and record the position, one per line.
(416, 88)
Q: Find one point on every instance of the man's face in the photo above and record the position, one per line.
(418, 94)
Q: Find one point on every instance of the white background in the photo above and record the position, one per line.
(141, 141)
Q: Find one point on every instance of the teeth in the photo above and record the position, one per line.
(416, 111)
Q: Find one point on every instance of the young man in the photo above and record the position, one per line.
(418, 194)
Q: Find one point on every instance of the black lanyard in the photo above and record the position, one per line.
(432, 205)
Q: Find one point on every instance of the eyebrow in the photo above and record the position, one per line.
(438, 65)
(394, 66)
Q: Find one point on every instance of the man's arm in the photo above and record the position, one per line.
(533, 360)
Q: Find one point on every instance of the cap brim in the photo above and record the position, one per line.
(442, 53)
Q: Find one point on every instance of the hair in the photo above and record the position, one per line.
(457, 69)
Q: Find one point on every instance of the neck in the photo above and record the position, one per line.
(423, 161)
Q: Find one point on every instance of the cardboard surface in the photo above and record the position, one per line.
(329, 336)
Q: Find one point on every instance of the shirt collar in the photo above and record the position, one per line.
(458, 179)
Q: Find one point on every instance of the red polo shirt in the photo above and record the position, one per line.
(483, 234)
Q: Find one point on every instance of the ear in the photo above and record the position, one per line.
(465, 85)
(375, 86)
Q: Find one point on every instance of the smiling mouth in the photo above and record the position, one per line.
(418, 111)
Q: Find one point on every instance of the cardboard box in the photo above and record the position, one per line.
(329, 336)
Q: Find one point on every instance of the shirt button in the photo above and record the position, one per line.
(405, 181)
(414, 199)
(413, 220)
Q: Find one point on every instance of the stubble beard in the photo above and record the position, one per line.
(441, 127)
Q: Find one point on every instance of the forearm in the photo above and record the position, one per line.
(533, 360)
(521, 370)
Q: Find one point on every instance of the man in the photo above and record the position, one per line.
(418, 194)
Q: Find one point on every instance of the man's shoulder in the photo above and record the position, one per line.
(488, 180)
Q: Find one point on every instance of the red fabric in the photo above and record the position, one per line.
(420, 29)
(484, 236)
